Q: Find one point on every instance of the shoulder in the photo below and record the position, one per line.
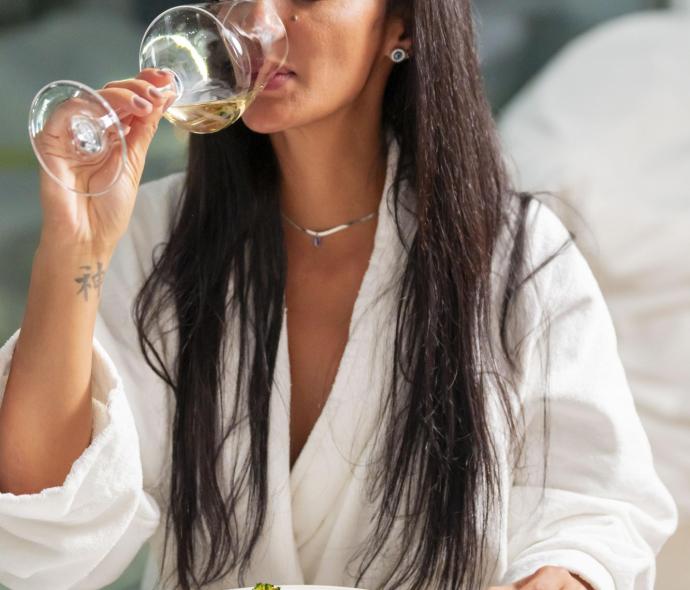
(554, 276)
(542, 230)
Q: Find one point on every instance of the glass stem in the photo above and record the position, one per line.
(106, 121)
(88, 133)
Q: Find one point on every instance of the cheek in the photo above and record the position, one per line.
(333, 49)
(343, 63)
(335, 33)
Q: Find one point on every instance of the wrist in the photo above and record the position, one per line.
(52, 249)
(70, 273)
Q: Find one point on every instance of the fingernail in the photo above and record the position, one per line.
(126, 129)
(153, 91)
(160, 73)
(142, 104)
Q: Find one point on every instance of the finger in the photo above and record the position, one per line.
(155, 76)
(585, 585)
(126, 102)
(161, 85)
(546, 578)
(143, 130)
(144, 89)
(141, 122)
(139, 118)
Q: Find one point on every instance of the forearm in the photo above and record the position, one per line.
(45, 417)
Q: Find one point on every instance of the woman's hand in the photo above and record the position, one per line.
(549, 578)
(97, 223)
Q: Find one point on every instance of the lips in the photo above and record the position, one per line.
(282, 74)
(258, 63)
(279, 79)
(283, 71)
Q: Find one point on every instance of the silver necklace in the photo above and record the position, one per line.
(318, 235)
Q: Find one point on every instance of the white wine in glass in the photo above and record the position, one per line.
(208, 117)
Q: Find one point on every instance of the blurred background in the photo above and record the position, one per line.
(95, 41)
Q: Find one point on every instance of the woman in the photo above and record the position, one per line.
(369, 411)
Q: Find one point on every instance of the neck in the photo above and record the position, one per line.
(332, 172)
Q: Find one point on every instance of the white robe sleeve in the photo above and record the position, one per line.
(600, 510)
(84, 533)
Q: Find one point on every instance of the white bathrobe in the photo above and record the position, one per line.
(603, 513)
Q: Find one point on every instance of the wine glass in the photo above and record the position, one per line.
(220, 56)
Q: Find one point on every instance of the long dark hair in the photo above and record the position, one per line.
(440, 465)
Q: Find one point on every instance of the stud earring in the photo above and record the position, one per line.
(294, 18)
(398, 55)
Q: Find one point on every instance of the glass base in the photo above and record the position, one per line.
(77, 137)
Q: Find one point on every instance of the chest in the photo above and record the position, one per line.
(320, 307)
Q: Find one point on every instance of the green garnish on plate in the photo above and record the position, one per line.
(266, 587)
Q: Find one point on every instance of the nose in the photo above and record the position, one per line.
(266, 9)
(267, 19)
(271, 9)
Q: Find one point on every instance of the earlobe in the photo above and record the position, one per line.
(400, 40)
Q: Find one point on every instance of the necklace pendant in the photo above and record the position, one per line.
(317, 241)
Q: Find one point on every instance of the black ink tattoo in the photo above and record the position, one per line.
(89, 280)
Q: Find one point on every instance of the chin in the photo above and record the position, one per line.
(263, 117)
